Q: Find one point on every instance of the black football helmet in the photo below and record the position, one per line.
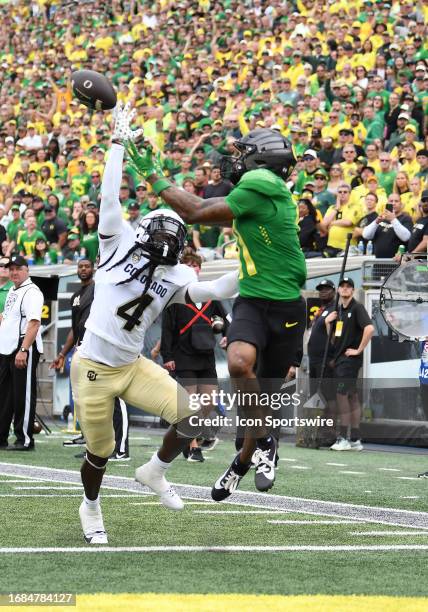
(261, 148)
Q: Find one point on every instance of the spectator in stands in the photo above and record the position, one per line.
(338, 221)
(217, 187)
(134, 215)
(43, 253)
(54, 229)
(322, 197)
(89, 234)
(308, 234)
(390, 229)
(418, 241)
(422, 159)
(27, 239)
(94, 191)
(371, 203)
(71, 251)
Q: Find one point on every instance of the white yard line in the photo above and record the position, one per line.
(406, 477)
(397, 517)
(240, 512)
(338, 464)
(286, 459)
(351, 472)
(409, 496)
(75, 487)
(389, 469)
(299, 467)
(297, 522)
(388, 533)
(202, 549)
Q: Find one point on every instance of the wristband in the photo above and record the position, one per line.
(160, 185)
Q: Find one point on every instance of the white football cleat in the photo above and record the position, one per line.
(92, 525)
(153, 478)
(357, 445)
(341, 444)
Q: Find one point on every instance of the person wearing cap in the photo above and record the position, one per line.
(20, 348)
(134, 215)
(5, 282)
(418, 241)
(54, 229)
(311, 164)
(71, 249)
(317, 345)
(352, 331)
(422, 159)
(16, 224)
(322, 197)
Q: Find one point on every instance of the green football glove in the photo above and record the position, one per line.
(144, 162)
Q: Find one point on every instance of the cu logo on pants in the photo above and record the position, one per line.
(92, 375)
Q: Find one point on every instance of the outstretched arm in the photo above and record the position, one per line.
(220, 289)
(190, 207)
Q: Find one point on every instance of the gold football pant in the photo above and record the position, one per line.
(143, 384)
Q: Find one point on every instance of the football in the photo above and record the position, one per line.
(93, 90)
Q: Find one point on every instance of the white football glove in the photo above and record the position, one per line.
(123, 117)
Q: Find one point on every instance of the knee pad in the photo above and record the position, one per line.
(99, 463)
(185, 429)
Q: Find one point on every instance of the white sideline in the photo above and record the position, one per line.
(201, 549)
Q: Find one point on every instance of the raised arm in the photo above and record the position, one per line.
(110, 209)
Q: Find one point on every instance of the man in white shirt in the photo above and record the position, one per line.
(20, 348)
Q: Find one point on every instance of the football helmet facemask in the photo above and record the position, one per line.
(261, 148)
(161, 235)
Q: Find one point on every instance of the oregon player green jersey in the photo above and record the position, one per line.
(273, 266)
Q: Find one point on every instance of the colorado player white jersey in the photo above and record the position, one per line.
(120, 314)
(115, 306)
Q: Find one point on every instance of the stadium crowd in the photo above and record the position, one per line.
(346, 82)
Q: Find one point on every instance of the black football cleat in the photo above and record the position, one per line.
(264, 476)
(229, 481)
(423, 475)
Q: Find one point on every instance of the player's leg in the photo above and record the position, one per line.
(188, 379)
(247, 337)
(151, 389)
(94, 390)
(286, 322)
(6, 393)
(341, 376)
(121, 431)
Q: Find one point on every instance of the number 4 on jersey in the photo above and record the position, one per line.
(132, 311)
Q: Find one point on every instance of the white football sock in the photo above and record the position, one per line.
(158, 462)
(92, 504)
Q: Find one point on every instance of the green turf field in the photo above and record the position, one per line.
(310, 548)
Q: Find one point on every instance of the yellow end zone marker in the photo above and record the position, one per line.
(153, 602)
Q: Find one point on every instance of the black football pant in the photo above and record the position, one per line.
(18, 394)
